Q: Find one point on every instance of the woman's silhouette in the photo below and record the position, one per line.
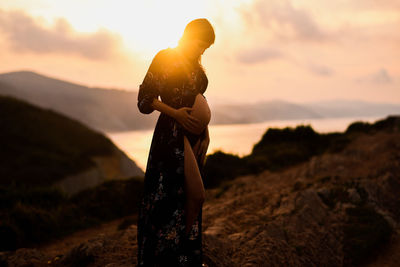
(170, 215)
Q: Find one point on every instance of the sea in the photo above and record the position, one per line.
(237, 139)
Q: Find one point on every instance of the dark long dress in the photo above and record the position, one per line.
(161, 223)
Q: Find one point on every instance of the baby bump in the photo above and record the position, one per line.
(201, 111)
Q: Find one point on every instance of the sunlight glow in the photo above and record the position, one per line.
(145, 26)
(159, 24)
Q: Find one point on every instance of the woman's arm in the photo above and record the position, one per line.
(152, 84)
(181, 115)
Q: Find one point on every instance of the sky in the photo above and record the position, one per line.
(297, 51)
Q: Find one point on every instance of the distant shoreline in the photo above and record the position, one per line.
(136, 144)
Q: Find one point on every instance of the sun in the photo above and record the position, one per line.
(157, 24)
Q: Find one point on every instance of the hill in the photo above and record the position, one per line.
(99, 108)
(225, 113)
(111, 110)
(338, 108)
(337, 208)
(41, 147)
(58, 176)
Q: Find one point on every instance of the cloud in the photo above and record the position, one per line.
(282, 20)
(252, 56)
(24, 33)
(373, 4)
(379, 77)
(320, 70)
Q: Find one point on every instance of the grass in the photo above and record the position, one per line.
(30, 216)
(44, 145)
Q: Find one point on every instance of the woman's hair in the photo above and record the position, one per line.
(198, 29)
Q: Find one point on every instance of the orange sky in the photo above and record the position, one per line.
(297, 51)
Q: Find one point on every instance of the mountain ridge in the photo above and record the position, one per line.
(113, 110)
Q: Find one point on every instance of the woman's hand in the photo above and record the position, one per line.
(183, 117)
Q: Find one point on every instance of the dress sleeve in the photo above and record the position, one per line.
(151, 85)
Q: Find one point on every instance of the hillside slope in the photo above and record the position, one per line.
(337, 209)
(99, 108)
(41, 147)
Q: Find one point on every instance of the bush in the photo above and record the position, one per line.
(277, 149)
(44, 197)
(35, 215)
(36, 225)
(110, 200)
(359, 126)
(221, 166)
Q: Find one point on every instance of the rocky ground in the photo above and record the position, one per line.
(334, 210)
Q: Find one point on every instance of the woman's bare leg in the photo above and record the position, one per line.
(195, 193)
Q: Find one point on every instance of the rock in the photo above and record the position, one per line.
(354, 197)
(84, 254)
(23, 257)
(324, 192)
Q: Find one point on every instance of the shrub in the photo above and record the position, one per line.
(277, 149)
(221, 166)
(34, 215)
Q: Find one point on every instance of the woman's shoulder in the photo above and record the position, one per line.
(165, 54)
(161, 60)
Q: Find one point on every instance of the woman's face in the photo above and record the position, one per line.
(196, 48)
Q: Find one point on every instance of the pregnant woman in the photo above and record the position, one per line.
(170, 213)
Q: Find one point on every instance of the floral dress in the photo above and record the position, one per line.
(161, 223)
